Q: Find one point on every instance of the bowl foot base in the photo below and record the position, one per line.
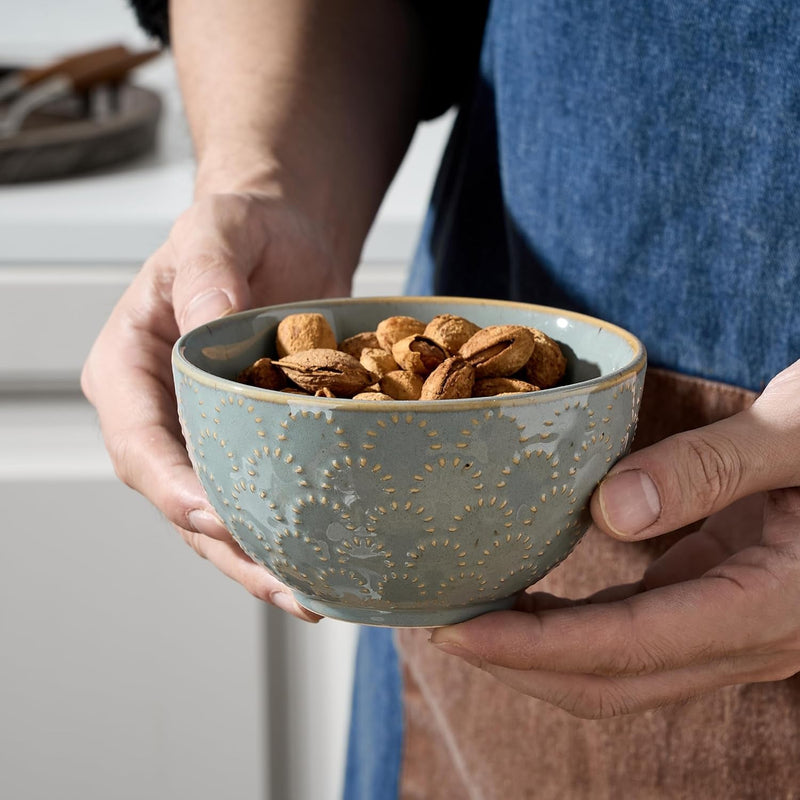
(401, 618)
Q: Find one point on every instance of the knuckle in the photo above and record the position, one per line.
(197, 265)
(129, 459)
(195, 540)
(119, 449)
(643, 653)
(599, 701)
(714, 468)
(262, 588)
(256, 586)
(785, 501)
(653, 657)
(643, 659)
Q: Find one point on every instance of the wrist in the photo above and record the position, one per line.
(241, 171)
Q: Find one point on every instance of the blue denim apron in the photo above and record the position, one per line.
(630, 159)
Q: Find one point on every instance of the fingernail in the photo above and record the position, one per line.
(453, 649)
(208, 305)
(285, 602)
(630, 502)
(205, 522)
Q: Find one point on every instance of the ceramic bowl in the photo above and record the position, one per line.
(406, 513)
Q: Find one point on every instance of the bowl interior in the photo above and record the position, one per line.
(594, 348)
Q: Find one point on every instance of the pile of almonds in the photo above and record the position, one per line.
(407, 359)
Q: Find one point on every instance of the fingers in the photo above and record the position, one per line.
(128, 379)
(201, 273)
(213, 258)
(727, 532)
(691, 475)
(665, 629)
(152, 461)
(533, 602)
(724, 611)
(232, 561)
(601, 697)
(782, 520)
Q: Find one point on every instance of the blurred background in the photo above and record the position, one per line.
(129, 668)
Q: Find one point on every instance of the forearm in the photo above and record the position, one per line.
(307, 100)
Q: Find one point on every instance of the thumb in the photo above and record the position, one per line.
(206, 305)
(691, 475)
(209, 283)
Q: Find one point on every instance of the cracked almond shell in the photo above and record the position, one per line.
(401, 385)
(498, 351)
(263, 374)
(322, 368)
(450, 331)
(393, 329)
(453, 379)
(355, 345)
(418, 353)
(377, 361)
(547, 364)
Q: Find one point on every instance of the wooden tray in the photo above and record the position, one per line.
(76, 135)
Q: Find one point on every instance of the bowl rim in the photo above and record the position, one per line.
(635, 365)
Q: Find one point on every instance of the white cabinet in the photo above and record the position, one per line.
(129, 669)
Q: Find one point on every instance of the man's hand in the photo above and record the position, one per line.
(721, 607)
(227, 253)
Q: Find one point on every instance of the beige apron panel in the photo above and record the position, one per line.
(469, 736)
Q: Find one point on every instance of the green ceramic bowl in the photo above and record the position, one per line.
(406, 513)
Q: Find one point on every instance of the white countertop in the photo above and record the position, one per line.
(68, 248)
(121, 215)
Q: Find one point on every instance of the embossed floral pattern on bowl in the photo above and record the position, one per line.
(406, 513)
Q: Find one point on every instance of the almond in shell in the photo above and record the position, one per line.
(377, 361)
(356, 344)
(451, 380)
(372, 396)
(306, 331)
(401, 385)
(263, 374)
(322, 368)
(490, 387)
(450, 331)
(498, 350)
(547, 364)
(393, 329)
(418, 353)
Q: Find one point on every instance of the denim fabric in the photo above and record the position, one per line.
(376, 731)
(636, 160)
